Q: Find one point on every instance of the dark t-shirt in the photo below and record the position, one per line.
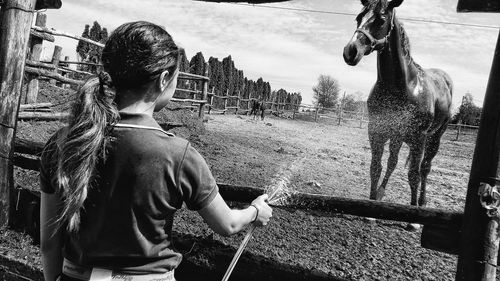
(127, 218)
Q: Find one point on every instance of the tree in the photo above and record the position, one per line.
(229, 81)
(350, 103)
(326, 91)
(90, 52)
(197, 66)
(468, 113)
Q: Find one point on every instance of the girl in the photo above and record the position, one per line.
(112, 179)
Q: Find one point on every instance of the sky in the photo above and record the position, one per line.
(290, 49)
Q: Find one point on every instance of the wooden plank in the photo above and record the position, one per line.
(40, 64)
(356, 207)
(79, 63)
(28, 147)
(16, 22)
(42, 36)
(35, 53)
(56, 57)
(219, 97)
(478, 6)
(485, 168)
(43, 116)
(189, 91)
(52, 75)
(35, 106)
(201, 111)
(67, 69)
(189, 76)
(65, 34)
(188, 100)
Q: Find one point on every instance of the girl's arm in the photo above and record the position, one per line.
(226, 221)
(50, 236)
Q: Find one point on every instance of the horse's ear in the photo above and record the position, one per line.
(365, 2)
(394, 4)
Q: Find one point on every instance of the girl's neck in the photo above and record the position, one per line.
(134, 103)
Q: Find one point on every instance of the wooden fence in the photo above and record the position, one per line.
(289, 110)
(479, 225)
(15, 65)
(59, 73)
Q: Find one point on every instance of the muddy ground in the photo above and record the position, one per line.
(326, 159)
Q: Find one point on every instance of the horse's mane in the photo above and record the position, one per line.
(405, 43)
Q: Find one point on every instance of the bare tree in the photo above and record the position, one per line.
(326, 92)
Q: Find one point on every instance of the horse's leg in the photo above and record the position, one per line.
(416, 152)
(377, 142)
(392, 161)
(431, 149)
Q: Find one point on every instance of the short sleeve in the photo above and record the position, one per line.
(48, 165)
(195, 180)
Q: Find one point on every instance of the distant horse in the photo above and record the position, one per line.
(407, 103)
(258, 106)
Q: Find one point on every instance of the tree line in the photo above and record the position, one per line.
(225, 78)
(326, 94)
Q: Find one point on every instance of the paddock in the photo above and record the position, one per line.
(283, 263)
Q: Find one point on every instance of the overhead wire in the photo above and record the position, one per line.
(353, 14)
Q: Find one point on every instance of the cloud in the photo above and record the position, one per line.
(291, 48)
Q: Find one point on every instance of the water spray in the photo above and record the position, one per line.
(278, 192)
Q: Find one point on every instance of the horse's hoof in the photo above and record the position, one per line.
(413, 227)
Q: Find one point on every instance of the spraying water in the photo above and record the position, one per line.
(278, 191)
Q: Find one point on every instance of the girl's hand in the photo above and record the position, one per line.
(264, 211)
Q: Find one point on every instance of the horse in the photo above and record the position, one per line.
(407, 103)
(257, 106)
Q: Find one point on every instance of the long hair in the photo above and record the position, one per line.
(134, 55)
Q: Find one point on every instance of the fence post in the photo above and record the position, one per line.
(477, 258)
(459, 126)
(16, 24)
(295, 108)
(238, 102)
(225, 101)
(32, 85)
(56, 57)
(211, 100)
(64, 73)
(204, 91)
(316, 114)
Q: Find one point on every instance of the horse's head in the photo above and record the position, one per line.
(374, 25)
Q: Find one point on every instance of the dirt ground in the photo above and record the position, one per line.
(334, 160)
(326, 159)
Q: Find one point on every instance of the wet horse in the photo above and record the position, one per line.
(407, 103)
(258, 106)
